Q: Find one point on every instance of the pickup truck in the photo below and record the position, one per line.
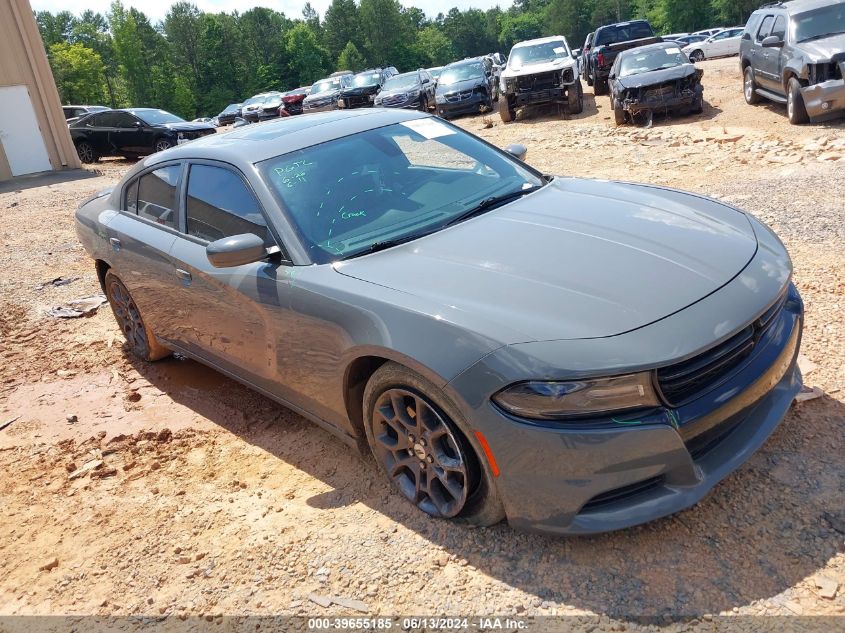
(608, 42)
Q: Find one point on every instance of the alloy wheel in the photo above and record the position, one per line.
(420, 452)
(162, 145)
(790, 105)
(86, 153)
(128, 317)
(749, 90)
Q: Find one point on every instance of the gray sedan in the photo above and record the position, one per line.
(574, 355)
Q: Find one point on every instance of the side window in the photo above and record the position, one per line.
(122, 120)
(158, 195)
(765, 28)
(779, 28)
(130, 201)
(220, 205)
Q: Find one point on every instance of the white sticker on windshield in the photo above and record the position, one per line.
(429, 128)
(673, 51)
(560, 50)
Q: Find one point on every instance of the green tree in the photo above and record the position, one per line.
(182, 25)
(386, 31)
(350, 58)
(687, 15)
(520, 27)
(434, 46)
(308, 60)
(729, 12)
(341, 26)
(54, 29)
(79, 73)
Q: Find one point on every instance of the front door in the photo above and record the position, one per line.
(232, 317)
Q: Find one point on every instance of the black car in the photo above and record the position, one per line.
(364, 88)
(465, 86)
(229, 114)
(75, 112)
(657, 77)
(408, 90)
(132, 132)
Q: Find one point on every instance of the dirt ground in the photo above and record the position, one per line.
(211, 499)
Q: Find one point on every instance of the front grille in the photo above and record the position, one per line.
(684, 381)
(622, 494)
(539, 81)
(454, 97)
(395, 99)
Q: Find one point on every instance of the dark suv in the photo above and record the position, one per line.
(364, 88)
(794, 53)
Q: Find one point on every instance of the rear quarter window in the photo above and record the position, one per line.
(158, 195)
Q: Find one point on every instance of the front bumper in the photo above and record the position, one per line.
(617, 472)
(676, 101)
(410, 104)
(538, 97)
(825, 100)
(472, 104)
(308, 108)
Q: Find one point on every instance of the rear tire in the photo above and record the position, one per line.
(749, 87)
(697, 56)
(139, 337)
(423, 104)
(86, 152)
(697, 105)
(795, 109)
(507, 113)
(576, 98)
(413, 429)
(599, 86)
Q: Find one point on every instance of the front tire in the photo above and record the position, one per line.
(697, 56)
(618, 113)
(139, 337)
(795, 109)
(415, 434)
(86, 152)
(507, 113)
(576, 98)
(599, 86)
(749, 87)
(423, 104)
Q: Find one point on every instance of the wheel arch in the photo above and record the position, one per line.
(102, 268)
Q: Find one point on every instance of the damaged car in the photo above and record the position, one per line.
(362, 91)
(324, 93)
(794, 53)
(540, 72)
(654, 78)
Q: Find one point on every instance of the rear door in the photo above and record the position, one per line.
(233, 317)
(97, 133)
(141, 236)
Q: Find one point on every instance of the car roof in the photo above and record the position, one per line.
(648, 47)
(251, 144)
(464, 62)
(795, 6)
(540, 40)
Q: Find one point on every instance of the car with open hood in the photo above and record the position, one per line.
(324, 94)
(574, 355)
(272, 106)
(363, 88)
(654, 78)
(465, 87)
(132, 132)
(414, 90)
(539, 72)
(794, 53)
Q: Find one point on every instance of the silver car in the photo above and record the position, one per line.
(574, 355)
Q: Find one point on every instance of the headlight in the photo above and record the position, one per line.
(553, 400)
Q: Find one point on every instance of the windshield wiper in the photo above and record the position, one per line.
(385, 244)
(492, 201)
(820, 36)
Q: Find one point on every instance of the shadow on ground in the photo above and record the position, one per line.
(771, 524)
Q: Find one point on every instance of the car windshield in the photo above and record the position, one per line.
(397, 82)
(537, 54)
(822, 22)
(398, 182)
(366, 79)
(656, 59)
(326, 85)
(232, 107)
(153, 117)
(435, 72)
(254, 100)
(623, 33)
(273, 98)
(454, 74)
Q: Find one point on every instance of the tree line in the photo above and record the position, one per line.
(194, 63)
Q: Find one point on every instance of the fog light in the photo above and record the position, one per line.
(826, 105)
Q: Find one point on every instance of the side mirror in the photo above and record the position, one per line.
(772, 41)
(517, 150)
(137, 124)
(236, 250)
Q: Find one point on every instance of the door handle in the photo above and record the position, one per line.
(184, 275)
(115, 244)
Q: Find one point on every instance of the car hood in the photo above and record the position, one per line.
(824, 49)
(322, 96)
(577, 259)
(187, 126)
(657, 76)
(360, 90)
(533, 69)
(466, 84)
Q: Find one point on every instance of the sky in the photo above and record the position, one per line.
(156, 9)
